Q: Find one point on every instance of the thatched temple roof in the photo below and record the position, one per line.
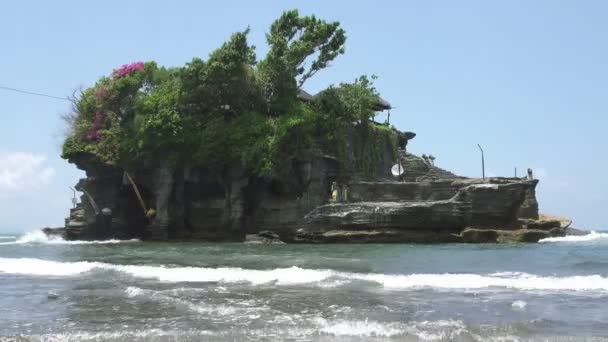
(382, 105)
(305, 96)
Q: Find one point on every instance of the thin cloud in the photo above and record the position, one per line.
(22, 170)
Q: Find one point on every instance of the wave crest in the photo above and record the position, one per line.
(39, 237)
(593, 235)
(359, 328)
(298, 276)
(426, 331)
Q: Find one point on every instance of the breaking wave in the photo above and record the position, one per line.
(369, 330)
(519, 304)
(300, 276)
(243, 309)
(135, 335)
(359, 328)
(314, 325)
(577, 238)
(39, 237)
(426, 330)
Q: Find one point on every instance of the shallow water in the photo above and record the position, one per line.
(126, 291)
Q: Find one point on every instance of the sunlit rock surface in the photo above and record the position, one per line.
(425, 204)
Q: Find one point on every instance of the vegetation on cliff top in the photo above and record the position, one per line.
(231, 107)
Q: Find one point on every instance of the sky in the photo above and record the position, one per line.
(528, 80)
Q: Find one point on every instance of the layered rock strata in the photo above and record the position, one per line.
(425, 204)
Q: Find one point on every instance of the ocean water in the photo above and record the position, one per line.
(54, 290)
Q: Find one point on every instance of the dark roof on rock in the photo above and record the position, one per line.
(304, 95)
(409, 135)
(382, 104)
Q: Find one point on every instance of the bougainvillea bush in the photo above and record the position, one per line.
(127, 69)
(228, 108)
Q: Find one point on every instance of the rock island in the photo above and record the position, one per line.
(233, 148)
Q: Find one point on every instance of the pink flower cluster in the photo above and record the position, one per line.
(94, 132)
(127, 69)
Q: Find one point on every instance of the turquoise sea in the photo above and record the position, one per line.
(54, 290)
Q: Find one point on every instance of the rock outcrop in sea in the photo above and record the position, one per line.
(425, 204)
(232, 148)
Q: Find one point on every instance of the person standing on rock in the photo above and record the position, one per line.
(335, 190)
(344, 193)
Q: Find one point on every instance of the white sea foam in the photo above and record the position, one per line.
(39, 267)
(243, 308)
(7, 237)
(521, 281)
(134, 291)
(437, 330)
(135, 335)
(39, 237)
(359, 328)
(426, 330)
(300, 276)
(519, 304)
(333, 283)
(577, 238)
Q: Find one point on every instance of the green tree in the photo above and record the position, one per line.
(350, 102)
(159, 126)
(223, 84)
(299, 48)
(230, 110)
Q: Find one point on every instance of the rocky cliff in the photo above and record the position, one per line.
(425, 204)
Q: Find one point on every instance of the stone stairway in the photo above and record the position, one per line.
(417, 169)
(75, 224)
(439, 173)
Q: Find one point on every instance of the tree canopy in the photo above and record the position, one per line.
(227, 108)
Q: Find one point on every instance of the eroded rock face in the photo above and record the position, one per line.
(102, 186)
(448, 215)
(430, 211)
(265, 237)
(432, 205)
(375, 236)
(473, 235)
(163, 182)
(495, 204)
(192, 203)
